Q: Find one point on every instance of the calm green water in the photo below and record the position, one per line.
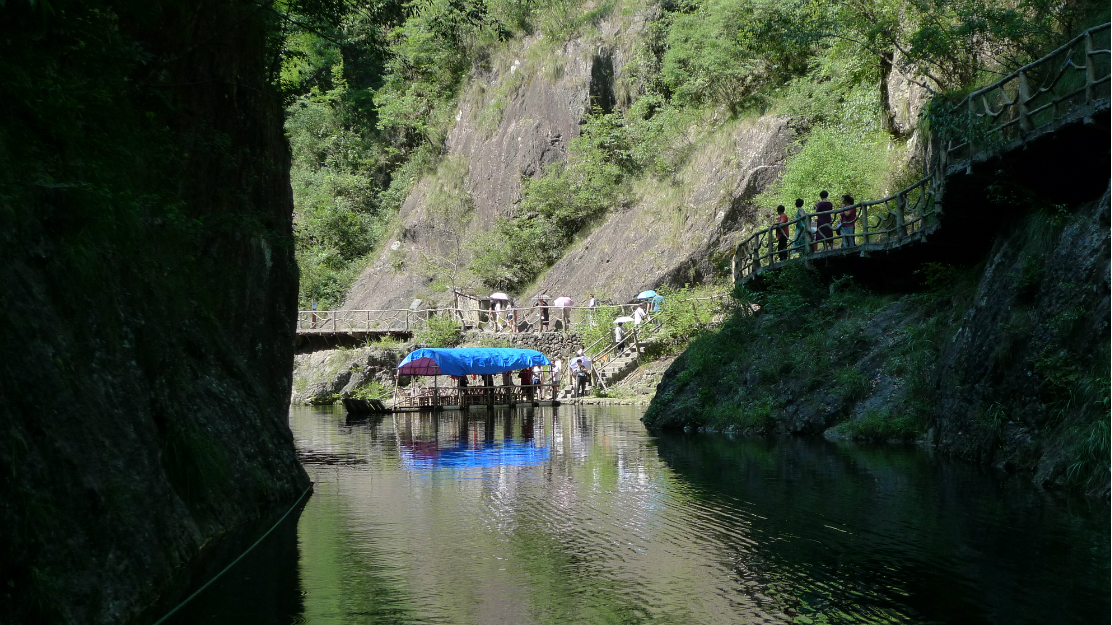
(578, 515)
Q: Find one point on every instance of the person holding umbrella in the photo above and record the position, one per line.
(564, 304)
(501, 302)
(619, 333)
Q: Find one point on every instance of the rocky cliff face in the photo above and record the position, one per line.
(1023, 383)
(517, 118)
(513, 120)
(149, 287)
(678, 231)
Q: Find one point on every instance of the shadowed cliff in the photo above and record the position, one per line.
(149, 286)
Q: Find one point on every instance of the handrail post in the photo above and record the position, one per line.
(771, 257)
(901, 206)
(1090, 72)
(1022, 98)
(864, 219)
(969, 139)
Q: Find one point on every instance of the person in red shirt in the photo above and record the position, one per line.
(526, 377)
(782, 233)
(847, 219)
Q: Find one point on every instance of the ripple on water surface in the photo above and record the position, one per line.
(577, 515)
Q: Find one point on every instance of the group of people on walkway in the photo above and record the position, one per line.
(820, 225)
(509, 317)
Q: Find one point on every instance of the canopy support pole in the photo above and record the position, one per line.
(397, 378)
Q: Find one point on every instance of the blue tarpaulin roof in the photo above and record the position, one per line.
(469, 360)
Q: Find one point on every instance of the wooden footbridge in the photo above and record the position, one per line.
(1050, 116)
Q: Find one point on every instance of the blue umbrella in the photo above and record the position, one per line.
(647, 295)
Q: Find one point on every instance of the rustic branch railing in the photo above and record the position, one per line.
(881, 224)
(397, 320)
(1068, 84)
(356, 321)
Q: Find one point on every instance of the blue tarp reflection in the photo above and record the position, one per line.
(424, 455)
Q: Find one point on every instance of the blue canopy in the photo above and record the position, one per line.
(469, 361)
(647, 295)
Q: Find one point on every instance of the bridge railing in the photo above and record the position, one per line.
(880, 224)
(349, 321)
(1065, 84)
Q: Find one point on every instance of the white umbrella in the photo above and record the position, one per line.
(623, 320)
(563, 301)
(499, 296)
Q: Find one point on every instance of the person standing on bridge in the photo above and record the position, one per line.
(847, 219)
(525, 377)
(782, 233)
(802, 226)
(824, 221)
(511, 316)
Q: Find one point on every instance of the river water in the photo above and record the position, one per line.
(577, 514)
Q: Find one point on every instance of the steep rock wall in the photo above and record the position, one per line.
(149, 289)
(679, 228)
(514, 119)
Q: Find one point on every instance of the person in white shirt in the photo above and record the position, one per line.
(639, 315)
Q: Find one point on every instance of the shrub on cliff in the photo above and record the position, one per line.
(439, 331)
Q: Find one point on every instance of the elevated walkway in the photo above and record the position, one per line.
(1047, 124)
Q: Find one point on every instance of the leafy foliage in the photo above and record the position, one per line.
(439, 331)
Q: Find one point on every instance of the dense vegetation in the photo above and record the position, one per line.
(371, 88)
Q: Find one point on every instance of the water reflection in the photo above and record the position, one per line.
(577, 515)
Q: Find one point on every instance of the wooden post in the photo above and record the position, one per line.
(1023, 98)
(397, 377)
(435, 393)
(407, 320)
(864, 220)
(1090, 73)
(969, 139)
(901, 206)
(771, 256)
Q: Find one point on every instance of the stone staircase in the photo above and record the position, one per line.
(614, 370)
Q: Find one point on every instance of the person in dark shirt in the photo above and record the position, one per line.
(782, 233)
(526, 377)
(824, 222)
(847, 219)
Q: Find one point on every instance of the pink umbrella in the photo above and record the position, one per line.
(563, 301)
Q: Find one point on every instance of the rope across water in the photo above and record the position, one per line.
(233, 563)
